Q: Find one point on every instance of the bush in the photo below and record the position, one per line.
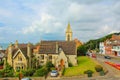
(1, 63)
(28, 72)
(52, 68)
(49, 65)
(41, 72)
(1, 73)
(89, 72)
(70, 64)
(63, 71)
(98, 68)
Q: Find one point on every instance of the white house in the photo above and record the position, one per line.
(102, 48)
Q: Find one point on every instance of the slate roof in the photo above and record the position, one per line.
(69, 47)
(23, 48)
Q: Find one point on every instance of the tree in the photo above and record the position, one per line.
(81, 50)
(28, 72)
(8, 71)
(41, 72)
(49, 65)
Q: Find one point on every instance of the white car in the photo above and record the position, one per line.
(53, 73)
(25, 79)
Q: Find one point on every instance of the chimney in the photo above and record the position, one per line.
(56, 47)
(16, 44)
(29, 54)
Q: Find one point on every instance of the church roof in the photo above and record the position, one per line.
(50, 47)
(69, 28)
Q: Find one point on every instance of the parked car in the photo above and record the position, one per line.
(26, 78)
(93, 56)
(107, 57)
(54, 73)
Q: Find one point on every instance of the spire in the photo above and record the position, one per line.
(68, 33)
(69, 28)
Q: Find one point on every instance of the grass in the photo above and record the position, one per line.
(84, 63)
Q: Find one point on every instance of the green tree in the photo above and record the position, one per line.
(81, 51)
(41, 72)
(8, 71)
(28, 72)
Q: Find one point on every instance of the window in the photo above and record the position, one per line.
(22, 67)
(17, 68)
(42, 56)
(50, 57)
(19, 58)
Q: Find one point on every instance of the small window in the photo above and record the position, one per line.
(19, 58)
(50, 57)
(42, 56)
(22, 67)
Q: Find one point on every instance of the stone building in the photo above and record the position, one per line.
(60, 53)
(19, 55)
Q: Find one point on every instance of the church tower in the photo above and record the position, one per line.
(69, 33)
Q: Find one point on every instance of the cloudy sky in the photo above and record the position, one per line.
(35, 20)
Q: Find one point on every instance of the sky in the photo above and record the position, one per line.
(35, 20)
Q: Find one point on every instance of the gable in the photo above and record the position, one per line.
(19, 53)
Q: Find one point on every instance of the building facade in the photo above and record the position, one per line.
(60, 53)
(111, 46)
(19, 56)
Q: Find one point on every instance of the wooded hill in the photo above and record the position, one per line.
(93, 44)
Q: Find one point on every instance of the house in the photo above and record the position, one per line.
(102, 48)
(111, 46)
(19, 56)
(2, 55)
(78, 43)
(60, 53)
(115, 41)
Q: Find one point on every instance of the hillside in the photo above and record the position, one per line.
(93, 44)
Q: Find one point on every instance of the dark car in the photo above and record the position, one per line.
(107, 57)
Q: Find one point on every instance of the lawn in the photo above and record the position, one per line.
(84, 63)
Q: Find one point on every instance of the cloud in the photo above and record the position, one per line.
(42, 19)
(46, 24)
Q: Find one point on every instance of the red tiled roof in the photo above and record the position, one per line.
(115, 37)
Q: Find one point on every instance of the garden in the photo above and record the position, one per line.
(86, 65)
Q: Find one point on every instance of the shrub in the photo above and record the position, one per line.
(1, 63)
(49, 65)
(1, 73)
(52, 68)
(41, 72)
(98, 68)
(28, 72)
(70, 64)
(88, 72)
(63, 71)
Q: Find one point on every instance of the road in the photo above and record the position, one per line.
(113, 59)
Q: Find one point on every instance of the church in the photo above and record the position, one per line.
(60, 53)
